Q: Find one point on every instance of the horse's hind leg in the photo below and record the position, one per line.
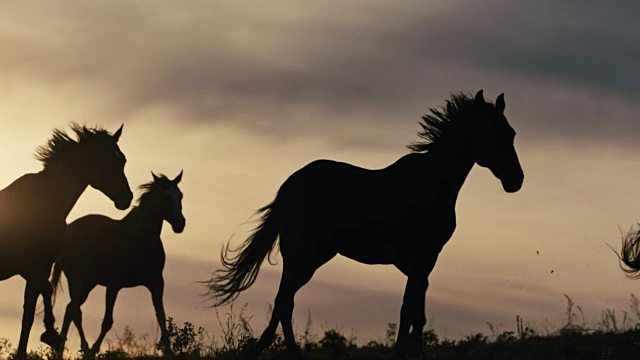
(107, 322)
(78, 292)
(299, 265)
(50, 336)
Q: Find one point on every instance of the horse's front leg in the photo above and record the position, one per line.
(412, 317)
(107, 321)
(31, 293)
(156, 287)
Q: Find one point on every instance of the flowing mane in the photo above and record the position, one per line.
(62, 143)
(443, 121)
(162, 182)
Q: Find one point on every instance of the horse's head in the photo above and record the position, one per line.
(105, 169)
(492, 139)
(168, 199)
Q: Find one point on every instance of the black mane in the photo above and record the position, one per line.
(62, 143)
(443, 121)
(160, 183)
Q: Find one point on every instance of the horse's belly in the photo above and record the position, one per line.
(368, 258)
(7, 273)
(368, 250)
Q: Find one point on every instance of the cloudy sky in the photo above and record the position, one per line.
(242, 94)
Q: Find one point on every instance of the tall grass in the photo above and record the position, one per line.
(614, 336)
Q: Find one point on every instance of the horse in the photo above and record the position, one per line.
(120, 254)
(400, 215)
(34, 208)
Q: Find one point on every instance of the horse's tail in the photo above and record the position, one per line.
(241, 265)
(630, 254)
(55, 280)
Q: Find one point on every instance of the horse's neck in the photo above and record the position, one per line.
(444, 169)
(60, 189)
(145, 222)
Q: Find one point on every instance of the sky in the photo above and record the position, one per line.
(240, 95)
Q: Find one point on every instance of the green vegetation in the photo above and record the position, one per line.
(613, 338)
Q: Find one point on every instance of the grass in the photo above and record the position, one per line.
(614, 337)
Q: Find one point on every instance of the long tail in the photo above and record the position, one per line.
(630, 254)
(241, 265)
(55, 280)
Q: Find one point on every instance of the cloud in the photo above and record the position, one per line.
(291, 71)
(581, 44)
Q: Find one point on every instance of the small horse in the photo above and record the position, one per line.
(34, 208)
(400, 215)
(120, 254)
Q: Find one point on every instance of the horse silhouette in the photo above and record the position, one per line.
(33, 211)
(119, 254)
(400, 215)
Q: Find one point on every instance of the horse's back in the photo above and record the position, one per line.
(91, 229)
(325, 177)
(91, 221)
(19, 201)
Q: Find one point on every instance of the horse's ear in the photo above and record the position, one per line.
(155, 178)
(117, 134)
(500, 103)
(479, 96)
(178, 178)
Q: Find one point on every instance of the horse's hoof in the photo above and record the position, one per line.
(53, 339)
(399, 355)
(20, 356)
(88, 354)
(414, 348)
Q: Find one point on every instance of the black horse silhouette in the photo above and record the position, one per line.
(120, 254)
(34, 207)
(400, 215)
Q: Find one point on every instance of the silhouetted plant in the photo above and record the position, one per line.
(473, 340)
(571, 326)
(390, 334)
(334, 343)
(113, 354)
(523, 332)
(184, 341)
(309, 337)
(635, 307)
(130, 343)
(430, 338)
(236, 330)
(5, 348)
(41, 353)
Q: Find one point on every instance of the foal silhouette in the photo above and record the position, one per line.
(34, 208)
(400, 215)
(120, 254)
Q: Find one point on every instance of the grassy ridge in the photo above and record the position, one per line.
(612, 338)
